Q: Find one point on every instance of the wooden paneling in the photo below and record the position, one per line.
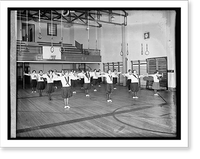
(159, 64)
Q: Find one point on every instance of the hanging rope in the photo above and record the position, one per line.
(96, 34)
(52, 48)
(40, 34)
(27, 26)
(88, 29)
(61, 33)
(127, 49)
(147, 51)
(121, 53)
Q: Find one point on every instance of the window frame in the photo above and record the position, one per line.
(49, 29)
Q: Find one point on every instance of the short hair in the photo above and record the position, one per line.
(133, 71)
(40, 71)
(156, 71)
(108, 70)
(33, 71)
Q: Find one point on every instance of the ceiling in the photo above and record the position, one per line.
(94, 18)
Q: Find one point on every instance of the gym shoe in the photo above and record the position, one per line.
(32, 91)
(67, 107)
(133, 97)
(115, 88)
(35, 91)
(95, 90)
(99, 85)
(74, 92)
(108, 100)
(87, 95)
(156, 94)
(136, 97)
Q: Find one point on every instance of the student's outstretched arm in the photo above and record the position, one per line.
(27, 74)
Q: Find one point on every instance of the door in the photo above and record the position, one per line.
(28, 32)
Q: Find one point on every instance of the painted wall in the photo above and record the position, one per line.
(111, 43)
(81, 34)
(140, 22)
(45, 37)
(75, 32)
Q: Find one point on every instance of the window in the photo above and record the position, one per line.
(51, 31)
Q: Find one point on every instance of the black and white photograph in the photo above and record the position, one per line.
(94, 73)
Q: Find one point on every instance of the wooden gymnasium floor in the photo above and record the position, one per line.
(147, 116)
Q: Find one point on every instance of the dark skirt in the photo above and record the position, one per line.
(50, 88)
(73, 83)
(156, 85)
(95, 81)
(82, 81)
(134, 87)
(91, 79)
(40, 85)
(128, 84)
(114, 80)
(56, 83)
(34, 83)
(109, 88)
(99, 80)
(86, 86)
(66, 92)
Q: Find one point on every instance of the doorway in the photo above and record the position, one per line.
(28, 32)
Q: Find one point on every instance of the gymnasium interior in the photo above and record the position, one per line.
(77, 39)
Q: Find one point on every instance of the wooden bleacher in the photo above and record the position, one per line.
(32, 51)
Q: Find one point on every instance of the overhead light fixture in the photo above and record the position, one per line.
(112, 18)
(65, 13)
(87, 28)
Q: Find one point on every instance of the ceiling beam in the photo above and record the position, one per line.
(84, 16)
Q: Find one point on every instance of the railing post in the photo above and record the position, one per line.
(131, 65)
(119, 71)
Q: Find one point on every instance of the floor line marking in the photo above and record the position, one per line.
(79, 120)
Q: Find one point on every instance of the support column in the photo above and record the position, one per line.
(13, 73)
(170, 47)
(124, 56)
(113, 65)
(139, 70)
(23, 77)
(104, 67)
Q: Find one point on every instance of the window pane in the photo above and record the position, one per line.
(51, 29)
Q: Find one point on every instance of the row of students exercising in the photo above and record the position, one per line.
(67, 79)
